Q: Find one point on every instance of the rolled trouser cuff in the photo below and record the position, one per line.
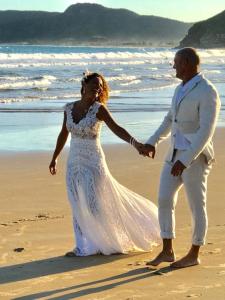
(198, 242)
(167, 235)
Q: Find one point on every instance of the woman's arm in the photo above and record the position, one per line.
(104, 115)
(61, 140)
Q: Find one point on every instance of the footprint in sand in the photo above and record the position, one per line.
(221, 273)
(136, 263)
(7, 294)
(181, 289)
(37, 281)
(193, 296)
(214, 267)
(212, 286)
(214, 251)
(15, 293)
(21, 231)
(178, 291)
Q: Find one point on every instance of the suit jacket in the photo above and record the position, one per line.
(195, 117)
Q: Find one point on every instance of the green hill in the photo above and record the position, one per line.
(89, 23)
(207, 34)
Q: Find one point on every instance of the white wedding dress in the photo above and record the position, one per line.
(107, 217)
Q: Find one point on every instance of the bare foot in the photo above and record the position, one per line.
(70, 254)
(73, 253)
(186, 261)
(162, 257)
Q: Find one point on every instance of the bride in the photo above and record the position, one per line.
(108, 218)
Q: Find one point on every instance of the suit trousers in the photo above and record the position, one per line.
(194, 180)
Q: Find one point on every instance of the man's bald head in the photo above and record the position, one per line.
(186, 63)
(189, 55)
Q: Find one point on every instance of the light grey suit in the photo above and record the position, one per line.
(195, 117)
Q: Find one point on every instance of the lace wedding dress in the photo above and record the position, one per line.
(107, 217)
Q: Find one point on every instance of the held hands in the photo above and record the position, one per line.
(145, 149)
(52, 167)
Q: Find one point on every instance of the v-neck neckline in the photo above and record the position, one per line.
(72, 108)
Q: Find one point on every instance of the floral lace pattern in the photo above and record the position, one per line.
(88, 126)
(107, 217)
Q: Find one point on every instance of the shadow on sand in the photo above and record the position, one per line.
(61, 265)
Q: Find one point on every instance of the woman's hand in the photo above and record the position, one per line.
(145, 149)
(52, 167)
(139, 147)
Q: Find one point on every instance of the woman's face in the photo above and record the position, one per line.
(93, 87)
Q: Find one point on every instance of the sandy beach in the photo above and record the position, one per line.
(36, 220)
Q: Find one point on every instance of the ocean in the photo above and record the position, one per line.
(37, 81)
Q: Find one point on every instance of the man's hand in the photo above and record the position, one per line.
(178, 168)
(146, 150)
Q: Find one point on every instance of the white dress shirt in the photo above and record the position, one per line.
(181, 143)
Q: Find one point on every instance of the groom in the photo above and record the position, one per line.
(191, 122)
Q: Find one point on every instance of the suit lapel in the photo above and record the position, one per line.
(185, 94)
(174, 98)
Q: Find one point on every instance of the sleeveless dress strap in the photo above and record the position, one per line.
(67, 106)
(96, 107)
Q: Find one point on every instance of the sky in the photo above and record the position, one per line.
(183, 10)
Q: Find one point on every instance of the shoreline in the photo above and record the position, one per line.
(168, 45)
(219, 130)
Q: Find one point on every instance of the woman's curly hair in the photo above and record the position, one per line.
(103, 97)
